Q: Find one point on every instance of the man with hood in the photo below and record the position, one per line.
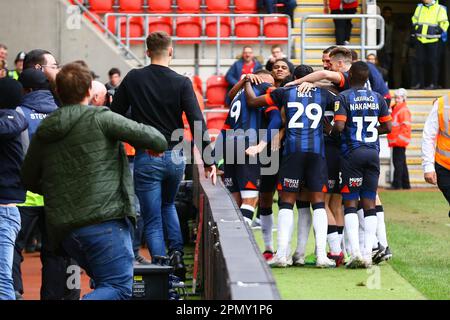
(11, 190)
(36, 104)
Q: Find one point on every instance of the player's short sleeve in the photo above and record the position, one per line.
(340, 109)
(275, 97)
(385, 114)
(329, 99)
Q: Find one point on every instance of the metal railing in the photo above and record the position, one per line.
(362, 46)
(99, 23)
(228, 264)
(127, 39)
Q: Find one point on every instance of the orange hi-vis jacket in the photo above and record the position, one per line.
(400, 135)
(442, 155)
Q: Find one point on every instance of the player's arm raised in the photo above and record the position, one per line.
(334, 77)
(255, 79)
(252, 99)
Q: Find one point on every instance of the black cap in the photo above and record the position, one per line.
(20, 56)
(33, 79)
(10, 93)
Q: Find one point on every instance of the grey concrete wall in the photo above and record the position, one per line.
(50, 25)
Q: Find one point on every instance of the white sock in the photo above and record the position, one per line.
(351, 230)
(266, 229)
(304, 225)
(334, 241)
(361, 227)
(285, 222)
(370, 231)
(381, 227)
(320, 223)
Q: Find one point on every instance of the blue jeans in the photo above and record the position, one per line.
(9, 228)
(156, 181)
(104, 250)
(139, 230)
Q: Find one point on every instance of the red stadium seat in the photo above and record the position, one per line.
(160, 24)
(275, 27)
(101, 6)
(135, 30)
(163, 6)
(218, 6)
(247, 27)
(245, 6)
(189, 27)
(131, 6)
(215, 121)
(216, 91)
(188, 6)
(211, 28)
(197, 82)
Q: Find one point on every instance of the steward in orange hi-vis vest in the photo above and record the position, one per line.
(400, 135)
(442, 154)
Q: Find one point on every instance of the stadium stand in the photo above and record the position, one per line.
(160, 6)
(101, 6)
(160, 24)
(276, 27)
(217, 6)
(216, 89)
(189, 27)
(245, 6)
(131, 6)
(247, 27)
(188, 6)
(211, 28)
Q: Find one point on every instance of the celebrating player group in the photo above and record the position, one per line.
(322, 132)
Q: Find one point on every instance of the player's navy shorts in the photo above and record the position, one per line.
(240, 177)
(241, 172)
(332, 156)
(360, 170)
(269, 182)
(303, 169)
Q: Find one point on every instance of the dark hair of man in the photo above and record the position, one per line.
(82, 63)
(354, 55)
(113, 71)
(284, 60)
(276, 46)
(34, 57)
(387, 8)
(73, 83)
(329, 49)
(262, 71)
(342, 53)
(2, 46)
(358, 74)
(158, 42)
(302, 70)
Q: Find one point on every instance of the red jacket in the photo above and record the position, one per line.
(336, 4)
(400, 135)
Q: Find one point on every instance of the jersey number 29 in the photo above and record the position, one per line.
(316, 118)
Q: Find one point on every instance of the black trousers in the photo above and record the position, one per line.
(443, 180)
(54, 267)
(343, 27)
(401, 175)
(427, 58)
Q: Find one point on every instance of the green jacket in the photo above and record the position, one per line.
(77, 162)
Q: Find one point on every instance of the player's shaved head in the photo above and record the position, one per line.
(302, 70)
(358, 74)
(341, 53)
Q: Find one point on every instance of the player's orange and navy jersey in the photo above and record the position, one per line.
(361, 109)
(304, 117)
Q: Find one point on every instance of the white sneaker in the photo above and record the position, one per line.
(256, 223)
(324, 262)
(298, 259)
(355, 262)
(280, 262)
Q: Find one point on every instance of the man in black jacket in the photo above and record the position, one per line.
(11, 190)
(158, 97)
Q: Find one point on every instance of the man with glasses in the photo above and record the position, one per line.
(54, 266)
